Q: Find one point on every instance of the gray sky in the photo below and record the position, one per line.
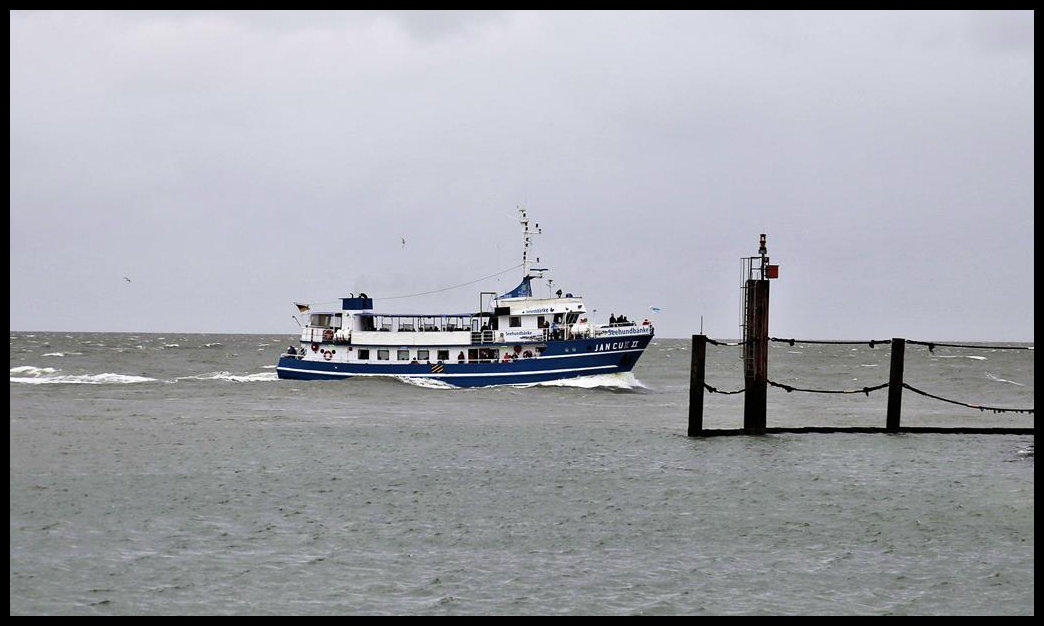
(230, 163)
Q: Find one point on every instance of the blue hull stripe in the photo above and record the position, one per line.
(544, 368)
(573, 370)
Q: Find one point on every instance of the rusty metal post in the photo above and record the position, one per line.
(756, 357)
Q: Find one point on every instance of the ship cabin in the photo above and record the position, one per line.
(516, 319)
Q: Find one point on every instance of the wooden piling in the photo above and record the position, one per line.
(895, 385)
(697, 378)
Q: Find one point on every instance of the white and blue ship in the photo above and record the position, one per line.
(516, 338)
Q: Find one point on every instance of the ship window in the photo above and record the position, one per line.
(515, 321)
(403, 355)
(443, 355)
(364, 354)
(382, 355)
(321, 320)
(422, 355)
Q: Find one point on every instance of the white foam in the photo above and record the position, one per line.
(235, 378)
(83, 379)
(33, 371)
(623, 380)
(1002, 380)
(426, 383)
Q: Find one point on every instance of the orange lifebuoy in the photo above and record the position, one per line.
(315, 347)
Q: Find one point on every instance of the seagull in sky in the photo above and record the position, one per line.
(404, 241)
(126, 279)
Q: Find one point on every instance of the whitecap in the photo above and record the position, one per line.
(85, 379)
(235, 378)
(32, 370)
(1002, 380)
(426, 383)
(622, 380)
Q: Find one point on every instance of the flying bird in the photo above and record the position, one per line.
(404, 241)
(126, 279)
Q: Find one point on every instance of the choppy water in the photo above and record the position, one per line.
(173, 474)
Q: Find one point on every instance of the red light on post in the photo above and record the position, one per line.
(772, 271)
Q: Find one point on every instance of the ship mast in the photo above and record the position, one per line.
(526, 233)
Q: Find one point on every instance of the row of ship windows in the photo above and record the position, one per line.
(403, 355)
(479, 354)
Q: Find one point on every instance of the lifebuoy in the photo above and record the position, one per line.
(527, 354)
(328, 354)
(315, 347)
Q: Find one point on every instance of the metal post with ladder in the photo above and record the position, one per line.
(757, 271)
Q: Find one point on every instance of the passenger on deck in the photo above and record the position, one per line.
(612, 320)
(291, 351)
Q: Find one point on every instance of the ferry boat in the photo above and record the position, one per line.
(516, 338)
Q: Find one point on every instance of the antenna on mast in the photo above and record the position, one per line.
(524, 219)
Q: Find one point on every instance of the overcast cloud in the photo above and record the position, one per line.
(231, 163)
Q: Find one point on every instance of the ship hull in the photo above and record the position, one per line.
(560, 360)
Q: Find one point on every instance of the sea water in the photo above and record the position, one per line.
(174, 474)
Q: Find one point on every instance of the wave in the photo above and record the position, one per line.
(617, 382)
(624, 381)
(962, 356)
(1002, 380)
(33, 371)
(426, 383)
(49, 376)
(235, 378)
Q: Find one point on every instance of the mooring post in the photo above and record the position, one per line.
(756, 353)
(697, 376)
(895, 385)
